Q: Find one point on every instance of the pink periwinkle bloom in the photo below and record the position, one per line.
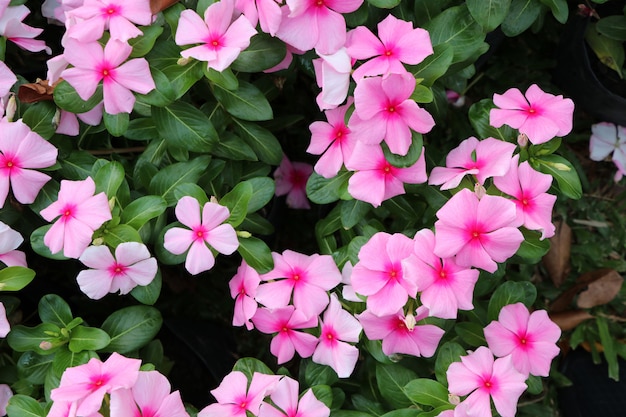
(539, 115)
(399, 44)
(332, 140)
(332, 74)
(379, 274)
(118, 16)
(400, 333)
(7, 79)
(87, 384)
(243, 289)
(55, 10)
(5, 396)
(12, 28)
(150, 396)
(339, 329)
(267, 13)
(284, 323)
(478, 232)
(444, 286)
(287, 403)
(384, 111)
(375, 179)
(5, 328)
(206, 231)
(235, 397)
(10, 240)
(308, 278)
(483, 378)
(68, 121)
(221, 38)
(92, 64)
(484, 159)
(607, 139)
(79, 213)
(309, 24)
(347, 291)
(21, 152)
(530, 338)
(291, 179)
(131, 266)
(529, 191)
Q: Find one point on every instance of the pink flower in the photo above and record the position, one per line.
(5, 328)
(265, 12)
(478, 232)
(332, 73)
(384, 111)
(400, 334)
(444, 286)
(483, 378)
(10, 240)
(12, 28)
(529, 190)
(283, 322)
(243, 289)
(338, 327)
(22, 150)
(87, 384)
(7, 79)
(287, 403)
(131, 266)
(78, 212)
(68, 122)
(307, 277)
(92, 64)
(221, 41)
(5, 396)
(530, 338)
(399, 43)
(291, 179)
(486, 158)
(376, 179)
(607, 138)
(206, 229)
(541, 116)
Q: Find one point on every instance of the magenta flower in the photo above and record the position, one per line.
(530, 338)
(92, 64)
(265, 12)
(539, 115)
(332, 74)
(287, 403)
(478, 232)
(607, 138)
(400, 334)
(221, 41)
(22, 151)
(205, 228)
(307, 277)
(399, 43)
(444, 286)
(283, 322)
(243, 289)
(529, 191)
(131, 266)
(10, 240)
(375, 179)
(78, 212)
(338, 328)
(87, 384)
(483, 378)
(486, 158)
(291, 178)
(384, 111)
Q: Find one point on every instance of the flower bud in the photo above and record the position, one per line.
(45, 345)
(522, 140)
(183, 61)
(479, 190)
(11, 108)
(409, 321)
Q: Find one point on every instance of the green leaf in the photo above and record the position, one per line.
(246, 103)
(522, 14)
(39, 117)
(66, 97)
(162, 95)
(166, 180)
(236, 200)
(142, 128)
(233, 147)
(22, 338)
(352, 211)
(613, 27)
(434, 66)
(403, 412)
(262, 193)
(14, 278)
(143, 209)
(226, 78)
(256, 254)
(251, 365)
(609, 51)
(412, 155)
(427, 392)
(321, 190)
(564, 173)
(131, 328)
(53, 309)
(148, 294)
(36, 242)
(535, 386)
(119, 234)
(488, 13)
(608, 343)
(324, 394)
(116, 124)
(559, 9)
(263, 53)
(88, 338)
(257, 224)
(184, 126)
(449, 352)
(479, 118)
(144, 43)
(24, 406)
(262, 141)
(511, 292)
(164, 56)
(317, 374)
(532, 248)
(191, 190)
(471, 333)
(109, 178)
(77, 166)
(391, 380)
(64, 359)
(384, 4)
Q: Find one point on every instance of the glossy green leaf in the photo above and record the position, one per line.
(14, 278)
(166, 180)
(324, 394)
(316, 374)
(24, 406)
(446, 354)
(148, 294)
(165, 57)
(34, 367)
(471, 333)
(109, 178)
(563, 171)
(613, 27)
(479, 118)
(233, 147)
(263, 189)
(511, 292)
(321, 190)
(144, 43)
(116, 124)
(391, 380)
(22, 338)
(434, 66)
(121, 233)
(40, 118)
(236, 200)
(65, 358)
(262, 141)
(245, 103)
(191, 190)
(263, 53)
(426, 391)
(522, 14)
(142, 210)
(248, 366)
(40, 248)
(532, 248)
(559, 8)
(142, 128)
(66, 97)
(53, 309)
(88, 338)
(488, 13)
(412, 155)
(256, 254)
(353, 211)
(164, 92)
(384, 4)
(182, 125)
(131, 328)
(609, 51)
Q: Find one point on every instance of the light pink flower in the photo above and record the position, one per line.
(287, 403)
(347, 291)
(486, 158)
(375, 179)
(221, 39)
(384, 111)
(22, 151)
(10, 240)
(283, 322)
(78, 212)
(5, 328)
(400, 334)
(399, 43)
(332, 74)
(444, 286)
(529, 191)
(243, 289)
(607, 138)
(338, 328)
(92, 64)
(7, 79)
(307, 277)
(12, 28)
(205, 228)
(265, 12)
(539, 115)
(68, 122)
(478, 232)
(5, 396)
(530, 338)
(291, 179)
(483, 378)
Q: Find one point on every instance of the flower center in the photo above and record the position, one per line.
(319, 3)
(391, 109)
(475, 234)
(387, 169)
(388, 53)
(9, 164)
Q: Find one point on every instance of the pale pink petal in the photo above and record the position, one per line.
(199, 258)
(26, 184)
(191, 28)
(94, 283)
(177, 240)
(97, 257)
(117, 98)
(188, 212)
(14, 258)
(223, 238)
(603, 140)
(135, 75)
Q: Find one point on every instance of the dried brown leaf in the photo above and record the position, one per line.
(602, 290)
(557, 260)
(567, 320)
(34, 92)
(158, 5)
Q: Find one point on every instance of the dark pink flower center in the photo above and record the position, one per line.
(298, 179)
(68, 212)
(533, 111)
(98, 380)
(111, 10)
(328, 335)
(319, 3)
(340, 133)
(117, 269)
(9, 162)
(388, 52)
(200, 233)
